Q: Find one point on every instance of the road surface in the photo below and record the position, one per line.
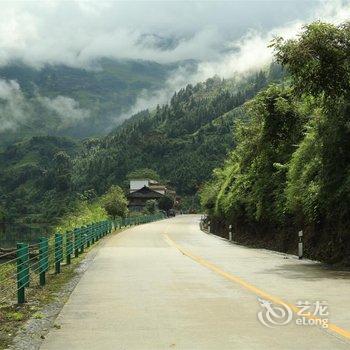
(167, 285)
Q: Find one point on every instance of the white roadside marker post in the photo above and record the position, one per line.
(300, 245)
(230, 233)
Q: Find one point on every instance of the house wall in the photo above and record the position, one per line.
(138, 184)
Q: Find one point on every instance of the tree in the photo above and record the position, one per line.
(319, 63)
(144, 173)
(318, 59)
(151, 206)
(2, 214)
(62, 171)
(165, 203)
(115, 202)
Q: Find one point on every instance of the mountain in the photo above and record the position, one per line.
(183, 140)
(78, 102)
(35, 179)
(42, 177)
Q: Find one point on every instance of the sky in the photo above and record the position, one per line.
(76, 32)
(227, 38)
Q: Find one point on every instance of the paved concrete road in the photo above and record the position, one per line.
(167, 285)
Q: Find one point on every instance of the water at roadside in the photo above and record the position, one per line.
(11, 234)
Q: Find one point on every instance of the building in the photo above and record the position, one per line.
(137, 184)
(142, 190)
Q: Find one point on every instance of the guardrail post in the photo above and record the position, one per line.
(92, 228)
(22, 271)
(43, 259)
(76, 242)
(90, 234)
(82, 239)
(69, 247)
(87, 230)
(97, 232)
(58, 252)
(94, 232)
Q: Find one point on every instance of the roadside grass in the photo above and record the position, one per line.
(14, 316)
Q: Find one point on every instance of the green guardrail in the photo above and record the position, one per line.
(33, 262)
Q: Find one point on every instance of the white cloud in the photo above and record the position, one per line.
(246, 54)
(13, 106)
(252, 51)
(16, 108)
(66, 108)
(76, 32)
(228, 38)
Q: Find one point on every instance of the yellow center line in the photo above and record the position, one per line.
(332, 327)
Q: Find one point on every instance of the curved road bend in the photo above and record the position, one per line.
(167, 285)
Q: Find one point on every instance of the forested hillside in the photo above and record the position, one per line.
(78, 102)
(279, 145)
(290, 169)
(35, 179)
(183, 140)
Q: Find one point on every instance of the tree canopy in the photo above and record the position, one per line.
(290, 169)
(151, 206)
(165, 203)
(144, 173)
(115, 202)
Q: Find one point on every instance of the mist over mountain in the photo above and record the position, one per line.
(109, 61)
(77, 102)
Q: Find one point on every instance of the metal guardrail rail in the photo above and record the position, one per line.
(22, 271)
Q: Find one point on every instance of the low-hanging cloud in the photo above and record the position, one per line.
(76, 32)
(66, 108)
(252, 51)
(249, 53)
(226, 38)
(14, 108)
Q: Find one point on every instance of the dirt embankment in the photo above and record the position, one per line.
(325, 244)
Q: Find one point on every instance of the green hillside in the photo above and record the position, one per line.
(183, 141)
(290, 169)
(35, 182)
(66, 101)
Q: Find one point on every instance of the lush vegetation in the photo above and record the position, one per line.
(143, 173)
(277, 139)
(84, 213)
(290, 168)
(151, 206)
(44, 178)
(182, 141)
(35, 179)
(115, 203)
(166, 203)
